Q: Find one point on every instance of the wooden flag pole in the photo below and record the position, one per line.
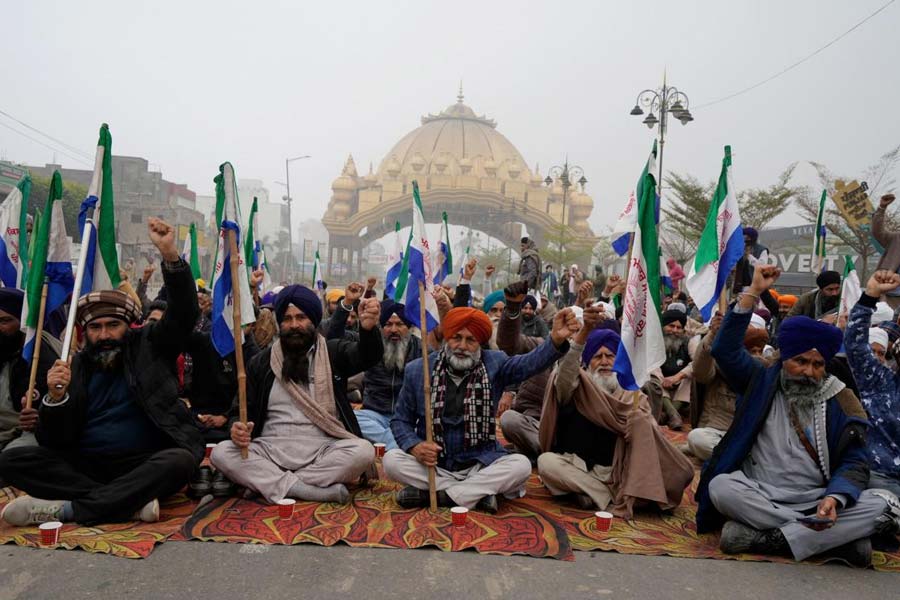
(723, 301)
(236, 328)
(36, 355)
(429, 424)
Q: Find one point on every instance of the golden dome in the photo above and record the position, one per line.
(458, 140)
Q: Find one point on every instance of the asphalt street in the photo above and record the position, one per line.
(200, 570)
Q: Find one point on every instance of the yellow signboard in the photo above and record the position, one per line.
(853, 202)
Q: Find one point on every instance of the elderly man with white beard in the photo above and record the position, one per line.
(583, 433)
(466, 385)
(382, 383)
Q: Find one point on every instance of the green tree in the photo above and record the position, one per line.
(73, 195)
(880, 178)
(561, 248)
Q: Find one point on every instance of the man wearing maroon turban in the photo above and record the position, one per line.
(466, 385)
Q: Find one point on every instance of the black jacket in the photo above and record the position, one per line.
(213, 377)
(381, 385)
(21, 372)
(149, 353)
(347, 359)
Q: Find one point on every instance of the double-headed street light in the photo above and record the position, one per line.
(287, 198)
(663, 102)
(566, 174)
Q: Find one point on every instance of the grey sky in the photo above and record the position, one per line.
(188, 84)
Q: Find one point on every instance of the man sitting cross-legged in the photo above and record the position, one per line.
(791, 471)
(583, 432)
(113, 434)
(304, 441)
(466, 384)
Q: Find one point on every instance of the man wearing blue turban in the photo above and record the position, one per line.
(789, 476)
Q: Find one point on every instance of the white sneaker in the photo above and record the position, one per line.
(149, 513)
(26, 510)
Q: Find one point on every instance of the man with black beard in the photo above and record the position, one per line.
(822, 302)
(533, 325)
(466, 385)
(791, 471)
(595, 444)
(382, 383)
(114, 436)
(677, 370)
(303, 438)
(16, 422)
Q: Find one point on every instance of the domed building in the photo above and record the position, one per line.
(464, 166)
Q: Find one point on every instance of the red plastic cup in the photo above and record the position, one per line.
(209, 449)
(460, 515)
(50, 533)
(603, 520)
(379, 450)
(286, 508)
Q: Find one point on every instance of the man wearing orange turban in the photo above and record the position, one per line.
(466, 385)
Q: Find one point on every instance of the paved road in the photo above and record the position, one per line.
(223, 571)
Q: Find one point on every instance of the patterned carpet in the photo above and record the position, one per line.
(535, 525)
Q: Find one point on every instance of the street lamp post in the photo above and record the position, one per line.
(663, 101)
(289, 200)
(566, 174)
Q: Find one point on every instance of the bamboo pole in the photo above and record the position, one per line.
(236, 328)
(429, 424)
(36, 355)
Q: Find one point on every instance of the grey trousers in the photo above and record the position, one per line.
(521, 431)
(340, 461)
(565, 473)
(26, 439)
(506, 475)
(739, 499)
(702, 440)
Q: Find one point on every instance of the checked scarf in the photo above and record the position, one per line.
(478, 417)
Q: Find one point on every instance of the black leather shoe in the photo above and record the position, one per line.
(488, 504)
(855, 554)
(738, 538)
(412, 497)
(221, 485)
(201, 483)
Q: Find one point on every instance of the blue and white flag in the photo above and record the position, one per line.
(721, 244)
(51, 262)
(624, 228)
(13, 213)
(222, 285)
(417, 269)
(394, 264)
(443, 259)
(318, 282)
(664, 277)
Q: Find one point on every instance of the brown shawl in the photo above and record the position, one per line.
(646, 467)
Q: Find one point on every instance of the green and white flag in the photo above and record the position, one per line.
(818, 253)
(190, 254)
(101, 268)
(850, 288)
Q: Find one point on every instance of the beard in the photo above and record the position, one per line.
(395, 353)
(295, 344)
(674, 343)
(10, 345)
(606, 381)
(105, 355)
(462, 360)
(799, 389)
(830, 303)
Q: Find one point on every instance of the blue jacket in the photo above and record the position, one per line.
(879, 390)
(408, 422)
(755, 386)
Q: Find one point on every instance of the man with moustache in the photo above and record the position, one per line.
(17, 423)
(594, 443)
(382, 383)
(677, 370)
(790, 475)
(820, 302)
(114, 437)
(466, 385)
(303, 438)
(533, 325)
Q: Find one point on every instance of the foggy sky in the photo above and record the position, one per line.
(188, 85)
